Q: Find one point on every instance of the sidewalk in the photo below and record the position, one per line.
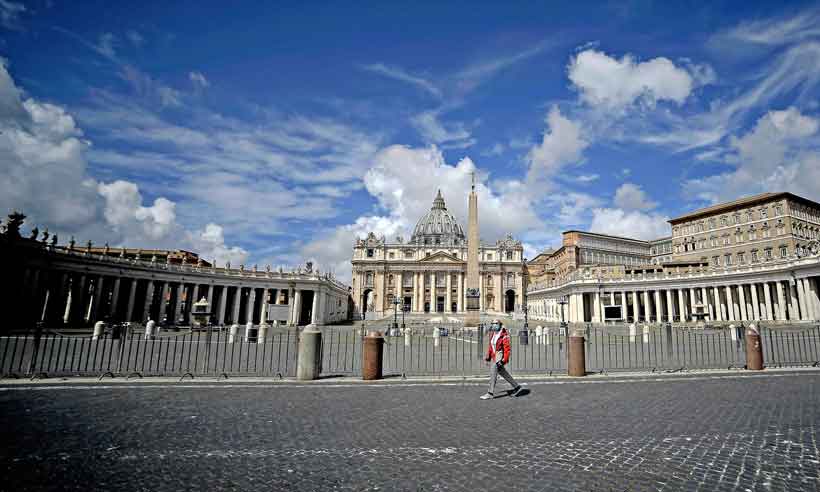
(612, 377)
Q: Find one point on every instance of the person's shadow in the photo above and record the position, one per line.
(509, 393)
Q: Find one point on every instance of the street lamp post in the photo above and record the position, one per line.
(396, 303)
(402, 317)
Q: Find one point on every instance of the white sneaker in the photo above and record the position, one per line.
(487, 396)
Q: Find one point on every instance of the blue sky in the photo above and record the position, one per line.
(269, 134)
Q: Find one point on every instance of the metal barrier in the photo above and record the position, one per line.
(169, 354)
(423, 349)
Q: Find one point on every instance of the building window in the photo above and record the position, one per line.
(754, 256)
(716, 261)
(738, 236)
(489, 256)
(727, 240)
(764, 213)
(390, 280)
(509, 255)
(408, 254)
(784, 251)
(728, 259)
(741, 258)
(712, 223)
(392, 255)
(768, 253)
(749, 216)
(752, 233)
(370, 252)
(368, 279)
(736, 219)
(489, 280)
(778, 210)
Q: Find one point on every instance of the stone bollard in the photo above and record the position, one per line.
(539, 335)
(234, 329)
(149, 330)
(436, 336)
(99, 330)
(645, 333)
(547, 339)
(632, 332)
(263, 332)
(308, 363)
(576, 366)
(372, 356)
(754, 350)
(733, 332)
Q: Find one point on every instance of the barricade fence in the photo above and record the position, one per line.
(443, 349)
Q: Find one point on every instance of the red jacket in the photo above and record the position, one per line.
(502, 343)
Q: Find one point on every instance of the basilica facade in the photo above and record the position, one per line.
(427, 273)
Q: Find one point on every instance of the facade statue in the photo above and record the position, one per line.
(13, 224)
(45, 235)
(34, 233)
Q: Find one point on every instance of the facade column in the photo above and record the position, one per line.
(132, 297)
(573, 309)
(236, 300)
(210, 297)
(115, 297)
(460, 290)
(670, 315)
(682, 304)
(223, 305)
(297, 306)
(432, 298)
(399, 290)
(636, 308)
(163, 302)
(69, 300)
(251, 303)
(647, 307)
(692, 299)
(755, 304)
(801, 300)
(314, 309)
(742, 295)
(767, 295)
(194, 297)
(718, 310)
(658, 307)
(794, 306)
(707, 308)
(448, 296)
(93, 313)
(263, 309)
(596, 308)
(178, 306)
(149, 298)
(781, 301)
(811, 299)
(807, 301)
(501, 297)
(730, 303)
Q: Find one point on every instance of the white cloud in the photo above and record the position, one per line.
(775, 31)
(572, 207)
(135, 37)
(42, 159)
(105, 45)
(10, 13)
(149, 89)
(586, 178)
(198, 79)
(632, 224)
(210, 244)
(562, 144)
(615, 84)
(630, 196)
(402, 202)
(398, 73)
(434, 131)
(781, 153)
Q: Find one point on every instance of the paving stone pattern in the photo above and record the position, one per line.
(738, 433)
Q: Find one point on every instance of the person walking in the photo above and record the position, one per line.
(498, 355)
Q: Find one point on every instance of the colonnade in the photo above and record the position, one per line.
(796, 299)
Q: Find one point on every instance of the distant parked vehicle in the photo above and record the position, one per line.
(443, 331)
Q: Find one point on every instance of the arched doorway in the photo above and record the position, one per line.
(509, 301)
(367, 295)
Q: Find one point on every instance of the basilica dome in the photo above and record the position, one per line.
(438, 226)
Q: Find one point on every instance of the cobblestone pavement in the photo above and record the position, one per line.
(683, 433)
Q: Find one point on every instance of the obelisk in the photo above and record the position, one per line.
(472, 290)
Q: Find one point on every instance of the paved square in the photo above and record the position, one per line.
(698, 432)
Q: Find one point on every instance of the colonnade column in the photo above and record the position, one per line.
(807, 299)
(448, 296)
(755, 304)
(250, 305)
(149, 300)
(742, 300)
(718, 310)
(682, 304)
(115, 297)
(314, 309)
(263, 309)
(163, 302)
(636, 309)
(297, 305)
(194, 296)
(647, 307)
(460, 292)
(223, 305)
(670, 307)
(132, 297)
(781, 301)
(658, 307)
(236, 300)
(95, 301)
(178, 306)
(730, 303)
(812, 301)
(767, 295)
(596, 307)
(704, 295)
(794, 306)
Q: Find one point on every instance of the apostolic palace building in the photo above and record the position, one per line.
(755, 258)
